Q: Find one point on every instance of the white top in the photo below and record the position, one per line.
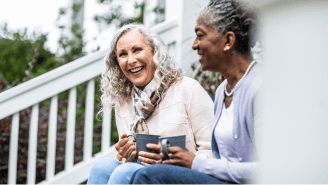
(224, 134)
(185, 110)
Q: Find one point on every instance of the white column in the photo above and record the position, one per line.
(14, 135)
(32, 145)
(187, 13)
(293, 141)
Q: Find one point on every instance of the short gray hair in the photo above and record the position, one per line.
(235, 16)
(116, 87)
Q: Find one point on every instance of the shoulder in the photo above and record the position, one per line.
(186, 84)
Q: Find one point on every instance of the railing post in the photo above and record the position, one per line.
(13, 149)
(88, 126)
(52, 135)
(106, 130)
(70, 133)
(32, 145)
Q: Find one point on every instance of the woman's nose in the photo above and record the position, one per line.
(131, 59)
(195, 44)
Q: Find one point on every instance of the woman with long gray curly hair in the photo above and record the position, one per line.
(151, 96)
(224, 36)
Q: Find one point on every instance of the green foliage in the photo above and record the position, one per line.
(23, 57)
(115, 15)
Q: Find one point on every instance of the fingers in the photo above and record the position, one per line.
(174, 149)
(124, 136)
(155, 147)
(124, 139)
(132, 156)
(119, 157)
(173, 162)
(129, 151)
(149, 155)
(149, 161)
(124, 151)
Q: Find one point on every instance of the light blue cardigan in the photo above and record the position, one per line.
(243, 133)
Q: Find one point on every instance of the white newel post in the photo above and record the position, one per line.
(186, 11)
(293, 136)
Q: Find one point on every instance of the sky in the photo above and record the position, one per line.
(41, 15)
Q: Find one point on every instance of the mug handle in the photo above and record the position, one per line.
(134, 137)
(164, 144)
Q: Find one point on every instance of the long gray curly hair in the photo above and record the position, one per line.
(116, 87)
(235, 16)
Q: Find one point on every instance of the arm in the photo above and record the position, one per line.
(126, 149)
(201, 116)
(222, 169)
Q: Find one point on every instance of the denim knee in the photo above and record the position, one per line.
(123, 173)
(102, 170)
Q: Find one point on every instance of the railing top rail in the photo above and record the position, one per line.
(53, 74)
(66, 76)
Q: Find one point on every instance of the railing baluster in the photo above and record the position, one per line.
(52, 135)
(70, 133)
(88, 125)
(106, 126)
(32, 145)
(13, 149)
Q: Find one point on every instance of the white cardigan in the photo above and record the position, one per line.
(185, 110)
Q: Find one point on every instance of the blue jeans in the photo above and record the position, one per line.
(112, 171)
(170, 174)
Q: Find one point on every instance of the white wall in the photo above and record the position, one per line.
(186, 11)
(293, 136)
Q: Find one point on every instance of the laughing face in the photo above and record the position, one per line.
(135, 58)
(209, 45)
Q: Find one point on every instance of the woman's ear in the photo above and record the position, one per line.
(230, 40)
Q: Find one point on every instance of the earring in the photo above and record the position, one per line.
(226, 48)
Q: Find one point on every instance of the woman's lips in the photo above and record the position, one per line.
(135, 70)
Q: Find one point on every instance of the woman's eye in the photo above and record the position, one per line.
(138, 49)
(122, 54)
(199, 35)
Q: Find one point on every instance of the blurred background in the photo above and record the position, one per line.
(52, 55)
(37, 37)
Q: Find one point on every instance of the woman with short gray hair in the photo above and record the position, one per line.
(224, 36)
(151, 96)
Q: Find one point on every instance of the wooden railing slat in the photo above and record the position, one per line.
(70, 133)
(52, 135)
(88, 125)
(106, 130)
(13, 149)
(32, 145)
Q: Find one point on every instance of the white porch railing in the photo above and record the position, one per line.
(49, 85)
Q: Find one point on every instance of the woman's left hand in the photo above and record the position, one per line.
(148, 158)
(180, 157)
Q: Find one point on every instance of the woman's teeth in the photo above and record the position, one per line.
(136, 70)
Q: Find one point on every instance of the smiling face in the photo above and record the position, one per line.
(209, 45)
(135, 58)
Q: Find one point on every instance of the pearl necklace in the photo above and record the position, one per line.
(225, 89)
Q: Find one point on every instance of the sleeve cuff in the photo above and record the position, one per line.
(198, 163)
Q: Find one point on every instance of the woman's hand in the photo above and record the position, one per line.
(148, 158)
(127, 151)
(180, 157)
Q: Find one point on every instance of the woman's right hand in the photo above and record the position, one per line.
(127, 151)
